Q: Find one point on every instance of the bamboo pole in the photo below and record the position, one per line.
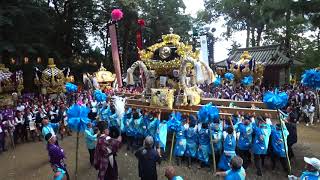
(213, 153)
(172, 145)
(285, 144)
(77, 152)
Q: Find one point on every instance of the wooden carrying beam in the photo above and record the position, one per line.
(233, 110)
(223, 110)
(226, 102)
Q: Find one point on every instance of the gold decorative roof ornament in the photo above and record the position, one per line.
(104, 76)
(51, 63)
(163, 65)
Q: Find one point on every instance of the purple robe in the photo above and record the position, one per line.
(56, 155)
(104, 158)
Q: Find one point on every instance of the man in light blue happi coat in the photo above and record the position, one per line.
(262, 132)
(217, 137)
(236, 172)
(229, 147)
(279, 148)
(181, 143)
(48, 127)
(311, 172)
(91, 141)
(204, 144)
(245, 130)
(191, 135)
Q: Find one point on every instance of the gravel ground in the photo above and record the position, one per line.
(29, 161)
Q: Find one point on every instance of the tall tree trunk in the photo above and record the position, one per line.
(248, 36)
(318, 39)
(259, 33)
(248, 27)
(253, 38)
(125, 45)
(288, 34)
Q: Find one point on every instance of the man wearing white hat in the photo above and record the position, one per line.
(312, 169)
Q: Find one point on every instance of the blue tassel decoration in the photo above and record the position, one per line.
(217, 82)
(311, 79)
(71, 87)
(229, 76)
(275, 100)
(78, 117)
(208, 113)
(247, 81)
(100, 96)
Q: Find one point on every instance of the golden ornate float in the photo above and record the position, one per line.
(52, 79)
(105, 78)
(246, 66)
(11, 85)
(171, 66)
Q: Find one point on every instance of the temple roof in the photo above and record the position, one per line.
(272, 55)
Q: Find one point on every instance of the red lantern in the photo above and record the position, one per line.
(141, 22)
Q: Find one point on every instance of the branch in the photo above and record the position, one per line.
(55, 3)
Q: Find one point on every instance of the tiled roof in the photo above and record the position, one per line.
(271, 55)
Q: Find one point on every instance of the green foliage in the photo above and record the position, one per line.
(61, 29)
(272, 21)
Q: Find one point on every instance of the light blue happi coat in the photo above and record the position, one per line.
(161, 137)
(130, 127)
(277, 141)
(261, 146)
(239, 174)
(204, 145)
(192, 142)
(245, 138)
(113, 120)
(138, 127)
(228, 153)
(181, 143)
(105, 113)
(125, 119)
(91, 138)
(217, 135)
(153, 128)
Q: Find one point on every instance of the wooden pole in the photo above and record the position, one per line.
(77, 152)
(213, 154)
(172, 145)
(285, 144)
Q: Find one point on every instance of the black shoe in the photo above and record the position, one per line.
(259, 173)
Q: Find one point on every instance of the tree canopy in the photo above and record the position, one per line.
(294, 24)
(66, 29)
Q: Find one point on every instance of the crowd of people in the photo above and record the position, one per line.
(302, 100)
(236, 140)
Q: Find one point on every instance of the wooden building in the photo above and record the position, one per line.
(277, 70)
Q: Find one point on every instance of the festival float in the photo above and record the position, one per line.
(245, 69)
(51, 80)
(11, 85)
(172, 73)
(105, 78)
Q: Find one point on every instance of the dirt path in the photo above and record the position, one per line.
(29, 161)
